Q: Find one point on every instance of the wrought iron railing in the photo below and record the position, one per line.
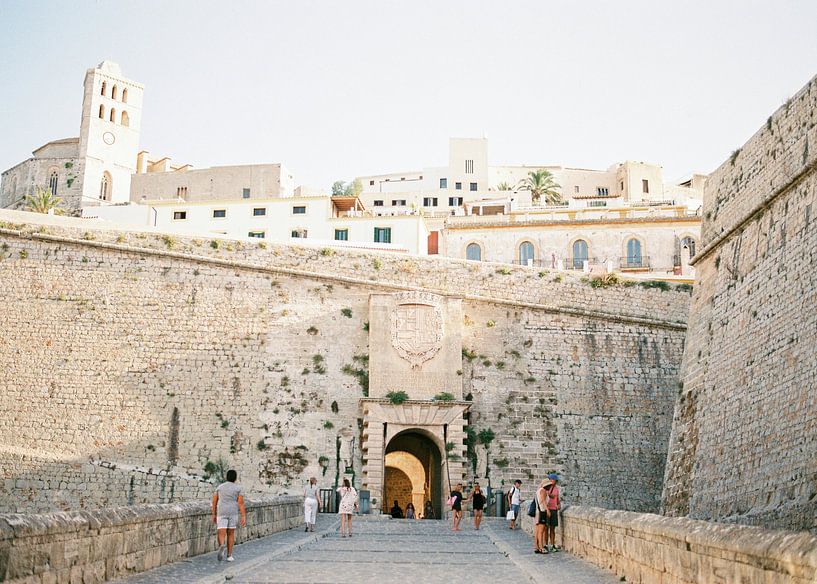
(634, 262)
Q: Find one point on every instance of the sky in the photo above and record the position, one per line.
(339, 89)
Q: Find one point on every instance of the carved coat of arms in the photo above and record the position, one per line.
(416, 328)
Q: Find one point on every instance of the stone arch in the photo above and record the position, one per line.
(409, 466)
(124, 119)
(125, 95)
(687, 238)
(113, 114)
(113, 92)
(101, 112)
(427, 450)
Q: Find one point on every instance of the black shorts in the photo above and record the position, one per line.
(552, 521)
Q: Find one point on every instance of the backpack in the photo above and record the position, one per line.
(532, 508)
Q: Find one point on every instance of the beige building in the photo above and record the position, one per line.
(96, 167)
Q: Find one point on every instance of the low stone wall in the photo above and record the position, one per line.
(675, 550)
(95, 546)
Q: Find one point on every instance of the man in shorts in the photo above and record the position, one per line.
(228, 504)
(514, 501)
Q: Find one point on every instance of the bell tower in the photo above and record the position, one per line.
(109, 134)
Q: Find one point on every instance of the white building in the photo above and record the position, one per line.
(96, 167)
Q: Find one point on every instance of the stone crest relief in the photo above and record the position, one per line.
(416, 327)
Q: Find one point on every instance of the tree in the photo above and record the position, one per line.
(503, 186)
(541, 184)
(351, 189)
(43, 201)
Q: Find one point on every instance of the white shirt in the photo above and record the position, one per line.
(515, 496)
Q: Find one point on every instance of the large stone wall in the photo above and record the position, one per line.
(97, 546)
(744, 441)
(646, 548)
(132, 362)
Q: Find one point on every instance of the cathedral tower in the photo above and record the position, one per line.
(109, 134)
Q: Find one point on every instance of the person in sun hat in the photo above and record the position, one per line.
(554, 504)
(541, 518)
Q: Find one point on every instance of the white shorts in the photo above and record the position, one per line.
(227, 521)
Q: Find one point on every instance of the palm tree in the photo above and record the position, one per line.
(503, 186)
(43, 201)
(541, 183)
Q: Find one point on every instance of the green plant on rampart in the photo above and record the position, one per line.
(397, 397)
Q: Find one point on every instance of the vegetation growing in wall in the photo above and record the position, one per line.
(361, 372)
(449, 452)
(317, 365)
(604, 280)
(659, 284)
(377, 263)
(397, 397)
(327, 252)
(485, 437)
(444, 396)
(216, 469)
(469, 354)
(347, 312)
(323, 462)
(169, 241)
(471, 447)
(312, 331)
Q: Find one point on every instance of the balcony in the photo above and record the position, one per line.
(578, 263)
(634, 263)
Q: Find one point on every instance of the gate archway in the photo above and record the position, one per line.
(415, 456)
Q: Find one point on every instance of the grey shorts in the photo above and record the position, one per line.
(227, 522)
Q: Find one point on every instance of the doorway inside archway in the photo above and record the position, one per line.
(414, 473)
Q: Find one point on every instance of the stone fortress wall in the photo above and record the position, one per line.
(132, 364)
(744, 440)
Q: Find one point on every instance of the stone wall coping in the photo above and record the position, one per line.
(16, 526)
(549, 308)
(774, 545)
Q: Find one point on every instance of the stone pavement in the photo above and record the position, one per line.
(383, 551)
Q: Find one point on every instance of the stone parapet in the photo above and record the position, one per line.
(647, 548)
(99, 545)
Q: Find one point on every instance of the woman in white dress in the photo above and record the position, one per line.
(348, 505)
(311, 504)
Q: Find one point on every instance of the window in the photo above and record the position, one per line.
(378, 203)
(101, 112)
(371, 183)
(602, 191)
(458, 186)
(645, 185)
(181, 192)
(245, 193)
(125, 95)
(259, 211)
(429, 201)
(576, 189)
(219, 213)
(105, 187)
(299, 210)
(473, 252)
(52, 183)
(257, 234)
(443, 183)
(113, 114)
(454, 201)
(382, 234)
(469, 167)
(113, 92)
(124, 119)
(621, 185)
(597, 203)
(525, 253)
(633, 253)
(398, 202)
(472, 187)
(298, 233)
(341, 235)
(179, 215)
(579, 254)
(689, 243)
(104, 88)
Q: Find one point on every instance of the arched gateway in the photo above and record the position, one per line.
(415, 348)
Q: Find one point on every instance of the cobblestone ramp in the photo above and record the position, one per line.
(383, 551)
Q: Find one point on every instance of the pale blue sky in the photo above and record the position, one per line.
(338, 89)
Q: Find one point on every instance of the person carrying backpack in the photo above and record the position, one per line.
(514, 497)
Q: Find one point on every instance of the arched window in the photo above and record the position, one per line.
(125, 119)
(473, 252)
(105, 187)
(689, 243)
(101, 112)
(113, 92)
(525, 253)
(579, 254)
(113, 114)
(104, 88)
(125, 95)
(52, 182)
(633, 253)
